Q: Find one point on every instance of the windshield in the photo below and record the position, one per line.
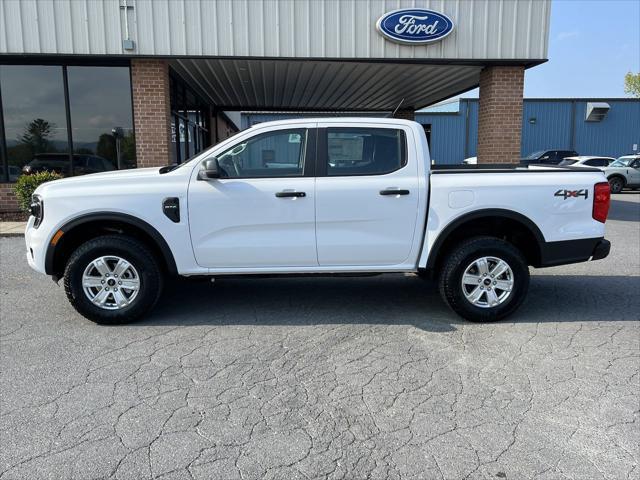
(535, 155)
(622, 162)
(201, 154)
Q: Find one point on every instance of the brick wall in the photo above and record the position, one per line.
(500, 114)
(151, 111)
(8, 201)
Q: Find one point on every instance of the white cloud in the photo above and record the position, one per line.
(566, 35)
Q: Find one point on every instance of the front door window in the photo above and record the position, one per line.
(273, 154)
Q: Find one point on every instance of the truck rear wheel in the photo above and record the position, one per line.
(113, 279)
(484, 279)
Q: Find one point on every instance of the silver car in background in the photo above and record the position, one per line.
(624, 173)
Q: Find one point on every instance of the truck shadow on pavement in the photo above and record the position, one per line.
(385, 299)
(624, 210)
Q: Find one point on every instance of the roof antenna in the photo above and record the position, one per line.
(393, 114)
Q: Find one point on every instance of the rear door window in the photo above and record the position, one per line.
(364, 151)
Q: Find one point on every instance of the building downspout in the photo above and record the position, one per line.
(466, 129)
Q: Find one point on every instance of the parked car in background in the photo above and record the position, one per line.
(470, 161)
(59, 163)
(586, 161)
(548, 157)
(624, 172)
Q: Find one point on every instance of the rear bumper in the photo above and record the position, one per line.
(573, 251)
(602, 249)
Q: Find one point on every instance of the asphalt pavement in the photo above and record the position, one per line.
(339, 378)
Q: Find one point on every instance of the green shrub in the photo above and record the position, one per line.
(27, 184)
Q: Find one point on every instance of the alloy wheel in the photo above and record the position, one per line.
(111, 282)
(487, 282)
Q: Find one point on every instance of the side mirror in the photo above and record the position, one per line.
(209, 169)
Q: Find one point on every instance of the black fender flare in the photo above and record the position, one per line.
(161, 243)
(487, 212)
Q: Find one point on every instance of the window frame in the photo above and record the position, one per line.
(4, 159)
(322, 159)
(309, 154)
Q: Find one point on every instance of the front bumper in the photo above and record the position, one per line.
(35, 241)
(573, 251)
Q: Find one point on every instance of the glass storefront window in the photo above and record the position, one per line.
(34, 116)
(35, 123)
(189, 127)
(101, 119)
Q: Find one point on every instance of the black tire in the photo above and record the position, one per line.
(138, 255)
(616, 184)
(461, 257)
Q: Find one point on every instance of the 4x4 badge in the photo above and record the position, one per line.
(572, 193)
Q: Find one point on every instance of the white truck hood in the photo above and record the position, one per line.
(114, 177)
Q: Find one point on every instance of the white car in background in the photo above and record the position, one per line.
(623, 173)
(470, 161)
(586, 161)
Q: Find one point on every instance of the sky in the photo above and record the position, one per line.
(592, 45)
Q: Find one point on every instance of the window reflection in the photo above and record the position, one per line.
(34, 119)
(101, 119)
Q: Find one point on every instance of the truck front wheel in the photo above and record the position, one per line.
(113, 279)
(484, 279)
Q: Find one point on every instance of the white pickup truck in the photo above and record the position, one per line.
(316, 196)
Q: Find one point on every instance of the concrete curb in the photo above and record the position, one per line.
(12, 229)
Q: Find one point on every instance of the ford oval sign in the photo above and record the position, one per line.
(414, 26)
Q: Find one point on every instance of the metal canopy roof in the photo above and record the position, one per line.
(294, 84)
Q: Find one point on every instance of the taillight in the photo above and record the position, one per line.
(601, 200)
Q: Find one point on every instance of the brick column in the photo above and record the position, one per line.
(500, 114)
(151, 111)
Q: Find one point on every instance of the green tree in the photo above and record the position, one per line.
(632, 84)
(36, 135)
(128, 147)
(106, 147)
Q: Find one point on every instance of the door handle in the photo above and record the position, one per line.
(290, 194)
(391, 191)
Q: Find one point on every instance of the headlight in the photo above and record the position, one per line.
(37, 209)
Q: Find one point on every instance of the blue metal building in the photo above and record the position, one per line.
(558, 123)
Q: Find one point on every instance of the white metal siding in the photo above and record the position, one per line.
(484, 29)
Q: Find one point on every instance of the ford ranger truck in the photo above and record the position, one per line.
(317, 196)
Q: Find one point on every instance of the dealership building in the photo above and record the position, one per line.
(98, 85)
